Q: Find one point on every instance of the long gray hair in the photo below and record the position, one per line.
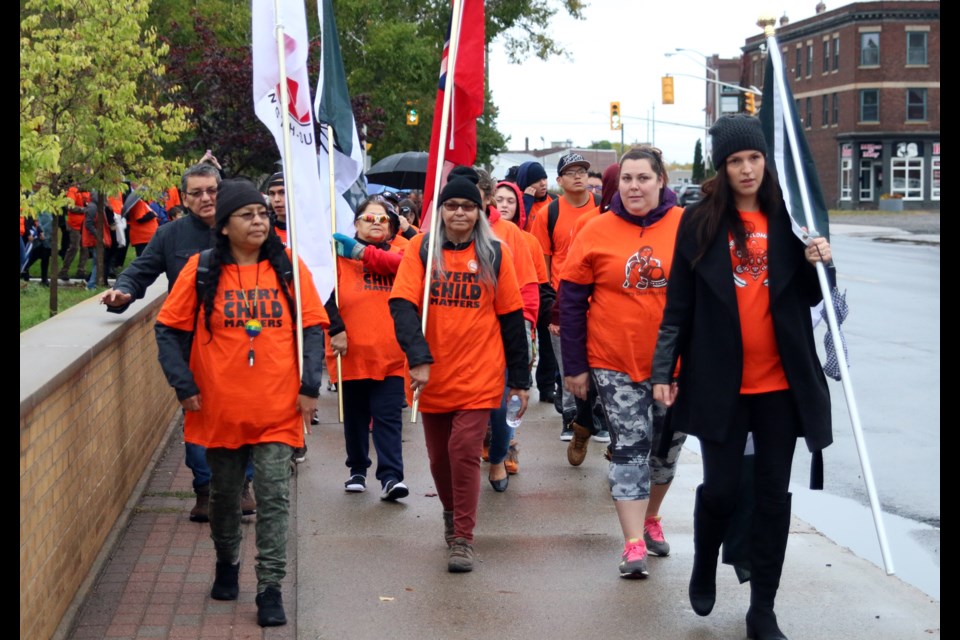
(483, 243)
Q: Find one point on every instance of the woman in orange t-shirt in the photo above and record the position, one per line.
(241, 391)
(372, 364)
(613, 293)
(738, 317)
(474, 332)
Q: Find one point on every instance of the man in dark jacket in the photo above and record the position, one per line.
(167, 253)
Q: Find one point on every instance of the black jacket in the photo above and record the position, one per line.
(168, 251)
(701, 325)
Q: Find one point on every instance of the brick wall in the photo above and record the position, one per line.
(94, 408)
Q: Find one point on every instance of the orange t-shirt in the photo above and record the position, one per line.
(510, 235)
(584, 219)
(140, 233)
(463, 330)
(241, 404)
(628, 267)
(172, 199)
(762, 369)
(372, 349)
(562, 234)
(536, 255)
(282, 234)
(80, 200)
(535, 210)
(399, 243)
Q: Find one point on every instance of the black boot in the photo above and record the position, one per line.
(226, 585)
(708, 534)
(771, 526)
(270, 611)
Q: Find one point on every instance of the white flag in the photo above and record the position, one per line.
(300, 169)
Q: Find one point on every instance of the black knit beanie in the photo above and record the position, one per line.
(461, 187)
(234, 194)
(274, 180)
(736, 132)
(535, 173)
(463, 171)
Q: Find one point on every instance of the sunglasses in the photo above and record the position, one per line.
(374, 217)
(468, 207)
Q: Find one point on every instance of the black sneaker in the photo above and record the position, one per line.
(270, 608)
(300, 454)
(332, 387)
(226, 584)
(315, 418)
(356, 484)
(566, 434)
(393, 490)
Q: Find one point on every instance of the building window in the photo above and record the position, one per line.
(826, 56)
(825, 109)
(935, 178)
(870, 49)
(799, 69)
(808, 121)
(836, 109)
(917, 104)
(796, 108)
(809, 60)
(917, 47)
(846, 179)
(869, 105)
(907, 177)
(836, 53)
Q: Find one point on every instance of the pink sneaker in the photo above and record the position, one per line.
(633, 563)
(653, 537)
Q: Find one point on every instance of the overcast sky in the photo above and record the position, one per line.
(617, 53)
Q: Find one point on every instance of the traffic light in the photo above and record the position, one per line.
(749, 103)
(413, 116)
(666, 89)
(615, 123)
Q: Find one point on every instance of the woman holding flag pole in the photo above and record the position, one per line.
(738, 316)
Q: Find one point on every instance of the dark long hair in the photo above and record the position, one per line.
(272, 251)
(717, 210)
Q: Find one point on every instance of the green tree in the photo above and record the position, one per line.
(696, 175)
(89, 77)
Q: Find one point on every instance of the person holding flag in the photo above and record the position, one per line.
(738, 317)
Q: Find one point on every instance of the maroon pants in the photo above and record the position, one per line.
(454, 443)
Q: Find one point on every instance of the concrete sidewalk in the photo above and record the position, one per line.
(548, 550)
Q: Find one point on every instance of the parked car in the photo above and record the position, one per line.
(688, 194)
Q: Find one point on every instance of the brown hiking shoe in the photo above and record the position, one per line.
(248, 505)
(577, 449)
(512, 462)
(201, 510)
(448, 533)
(460, 558)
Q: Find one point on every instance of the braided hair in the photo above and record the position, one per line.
(272, 250)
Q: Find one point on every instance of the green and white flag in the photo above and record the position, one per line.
(795, 171)
(333, 108)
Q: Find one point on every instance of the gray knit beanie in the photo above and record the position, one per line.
(736, 132)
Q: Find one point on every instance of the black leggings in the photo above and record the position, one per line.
(774, 422)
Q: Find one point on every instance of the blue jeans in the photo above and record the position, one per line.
(196, 460)
(500, 433)
(381, 401)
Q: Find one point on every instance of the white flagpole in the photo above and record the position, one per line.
(289, 178)
(448, 89)
(336, 279)
(773, 50)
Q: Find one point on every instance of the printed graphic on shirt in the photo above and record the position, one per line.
(457, 288)
(240, 305)
(751, 263)
(644, 271)
(377, 282)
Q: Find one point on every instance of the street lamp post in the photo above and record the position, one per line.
(711, 114)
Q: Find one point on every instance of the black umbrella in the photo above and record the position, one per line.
(407, 170)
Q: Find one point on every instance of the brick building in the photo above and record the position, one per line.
(866, 79)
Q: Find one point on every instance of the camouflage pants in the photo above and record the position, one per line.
(271, 485)
(636, 425)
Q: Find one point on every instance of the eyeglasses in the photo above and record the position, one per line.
(249, 216)
(199, 193)
(451, 207)
(595, 187)
(374, 217)
(574, 173)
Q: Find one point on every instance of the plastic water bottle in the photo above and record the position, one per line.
(513, 408)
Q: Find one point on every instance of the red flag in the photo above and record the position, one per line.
(466, 102)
